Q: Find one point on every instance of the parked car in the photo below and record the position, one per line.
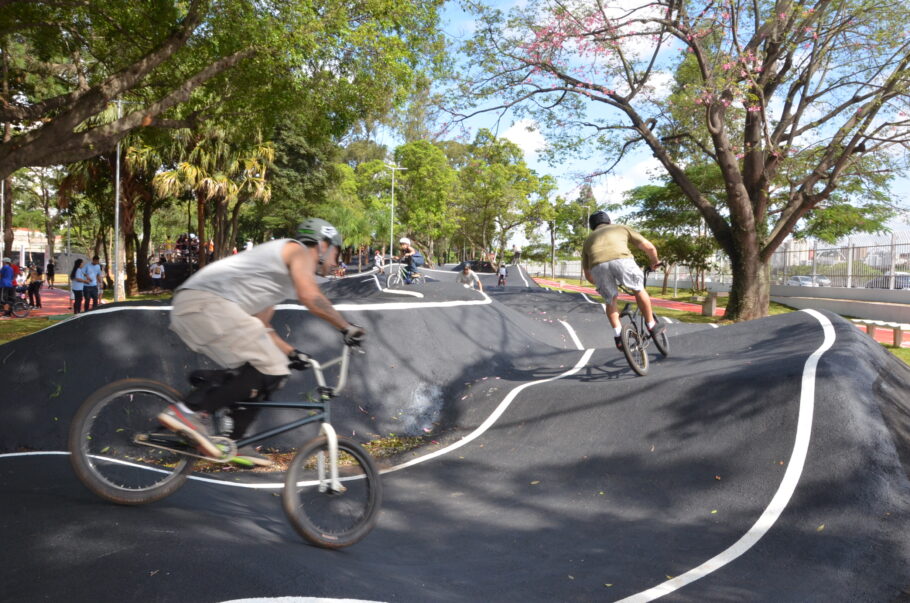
(822, 281)
(901, 281)
(801, 281)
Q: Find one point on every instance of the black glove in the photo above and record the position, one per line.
(354, 335)
(298, 361)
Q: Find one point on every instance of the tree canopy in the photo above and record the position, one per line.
(792, 102)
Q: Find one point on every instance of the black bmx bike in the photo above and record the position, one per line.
(332, 489)
(18, 307)
(636, 338)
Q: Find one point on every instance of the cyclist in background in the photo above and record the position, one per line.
(224, 311)
(468, 277)
(411, 258)
(503, 272)
(608, 263)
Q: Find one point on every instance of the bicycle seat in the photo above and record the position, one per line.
(213, 377)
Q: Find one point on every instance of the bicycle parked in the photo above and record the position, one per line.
(635, 335)
(18, 305)
(118, 449)
(397, 277)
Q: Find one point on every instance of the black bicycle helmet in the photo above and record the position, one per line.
(597, 218)
(313, 230)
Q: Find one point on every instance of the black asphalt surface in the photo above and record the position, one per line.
(592, 484)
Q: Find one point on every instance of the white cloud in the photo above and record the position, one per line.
(525, 134)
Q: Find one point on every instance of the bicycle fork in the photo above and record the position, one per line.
(332, 483)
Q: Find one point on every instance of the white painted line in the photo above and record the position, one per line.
(494, 416)
(376, 280)
(401, 292)
(713, 325)
(490, 420)
(572, 334)
(517, 267)
(591, 301)
(784, 492)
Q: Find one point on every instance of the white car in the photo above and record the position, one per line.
(801, 281)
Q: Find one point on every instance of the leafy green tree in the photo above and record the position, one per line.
(790, 101)
(422, 198)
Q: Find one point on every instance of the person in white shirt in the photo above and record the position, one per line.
(156, 271)
(469, 278)
(92, 274)
(378, 262)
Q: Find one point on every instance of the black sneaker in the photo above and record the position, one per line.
(618, 340)
(194, 426)
(657, 329)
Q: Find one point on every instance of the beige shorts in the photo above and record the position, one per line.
(218, 328)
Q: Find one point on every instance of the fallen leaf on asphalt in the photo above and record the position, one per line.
(717, 477)
(714, 512)
(608, 585)
(571, 577)
(652, 447)
(820, 528)
(535, 482)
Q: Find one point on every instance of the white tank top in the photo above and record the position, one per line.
(254, 279)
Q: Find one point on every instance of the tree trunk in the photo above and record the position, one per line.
(200, 224)
(750, 293)
(143, 280)
(552, 252)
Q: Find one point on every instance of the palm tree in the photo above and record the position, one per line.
(217, 170)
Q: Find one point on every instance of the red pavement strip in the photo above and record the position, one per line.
(56, 302)
(881, 335)
(663, 303)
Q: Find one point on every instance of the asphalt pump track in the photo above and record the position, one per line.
(762, 461)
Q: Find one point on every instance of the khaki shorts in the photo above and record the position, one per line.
(608, 276)
(218, 328)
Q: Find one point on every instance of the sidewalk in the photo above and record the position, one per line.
(655, 301)
(54, 302)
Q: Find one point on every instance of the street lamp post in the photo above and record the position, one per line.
(394, 168)
(118, 283)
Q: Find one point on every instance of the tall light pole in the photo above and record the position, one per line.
(394, 168)
(118, 284)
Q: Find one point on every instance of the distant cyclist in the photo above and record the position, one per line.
(469, 277)
(410, 257)
(608, 263)
(224, 311)
(503, 272)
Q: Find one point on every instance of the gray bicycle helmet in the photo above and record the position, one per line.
(597, 218)
(313, 230)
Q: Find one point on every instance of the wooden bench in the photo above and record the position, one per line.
(710, 304)
(897, 329)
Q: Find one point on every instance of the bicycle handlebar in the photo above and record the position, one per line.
(319, 367)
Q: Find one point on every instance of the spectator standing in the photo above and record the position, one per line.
(17, 273)
(77, 285)
(35, 278)
(51, 272)
(378, 262)
(7, 286)
(93, 278)
(156, 271)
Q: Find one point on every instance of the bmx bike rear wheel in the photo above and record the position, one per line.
(106, 449)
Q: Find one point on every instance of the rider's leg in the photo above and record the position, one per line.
(221, 330)
(644, 304)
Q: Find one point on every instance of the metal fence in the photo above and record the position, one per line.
(869, 261)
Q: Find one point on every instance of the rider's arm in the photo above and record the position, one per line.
(650, 251)
(477, 280)
(301, 262)
(266, 317)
